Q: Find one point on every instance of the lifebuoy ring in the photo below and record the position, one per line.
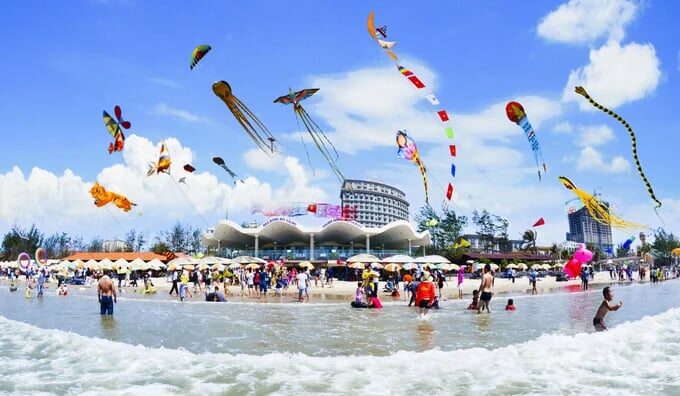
(38, 253)
(21, 258)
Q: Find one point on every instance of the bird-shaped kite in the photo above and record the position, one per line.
(114, 128)
(409, 151)
(246, 118)
(582, 91)
(197, 54)
(597, 209)
(163, 164)
(103, 197)
(323, 144)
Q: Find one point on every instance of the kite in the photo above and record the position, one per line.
(431, 223)
(516, 114)
(409, 151)
(189, 168)
(539, 222)
(442, 114)
(598, 209)
(246, 118)
(323, 144)
(464, 243)
(345, 212)
(183, 180)
(114, 128)
(163, 164)
(628, 242)
(220, 162)
(103, 197)
(581, 91)
(198, 54)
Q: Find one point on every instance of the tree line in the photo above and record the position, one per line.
(178, 238)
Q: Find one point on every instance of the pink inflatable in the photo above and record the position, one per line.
(573, 267)
(583, 255)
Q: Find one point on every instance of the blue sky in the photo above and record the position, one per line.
(67, 61)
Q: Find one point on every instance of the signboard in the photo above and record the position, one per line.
(279, 219)
(331, 221)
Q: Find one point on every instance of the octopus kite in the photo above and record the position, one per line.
(114, 127)
(103, 197)
(582, 91)
(598, 209)
(323, 144)
(409, 151)
(163, 164)
(246, 118)
(516, 114)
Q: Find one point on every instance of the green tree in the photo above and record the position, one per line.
(96, 245)
(445, 229)
(20, 240)
(664, 243)
(159, 247)
(491, 229)
(529, 240)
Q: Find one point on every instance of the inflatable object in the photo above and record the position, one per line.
(24, 257)
(41, 256)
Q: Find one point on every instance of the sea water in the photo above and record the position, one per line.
(62, 346)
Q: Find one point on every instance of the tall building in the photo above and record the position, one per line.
(114, 246)
(584, 229)
(375, 204)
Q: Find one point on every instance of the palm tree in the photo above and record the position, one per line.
(529, 240)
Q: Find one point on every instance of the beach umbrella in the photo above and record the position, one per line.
(522, 266)
(477, 266)
(511, 266)
(210, 260)
(234, 266)
(217, 267)
(494, 267)
(558, 265)
(253, 266)
(106, 264)
(79, 264)
(363, 258)
(91, 263)
(398, 258)
(443, 267)
(357, 265)
(376, 265)
(392, 267)
(306, 264)
(188, 267)
(409, 266)
(434, 259)
(546, 266)
(180, 262)
(121, 265)
(138, 264)
(203, 266)
(156, 265)
(536, 267)
(470, 262)
(247, 260)
(454, 267)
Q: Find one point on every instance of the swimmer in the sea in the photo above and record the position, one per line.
(106, 292)
(605, 307)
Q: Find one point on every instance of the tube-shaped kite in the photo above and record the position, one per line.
(582, 91)
(598, 209)
(516, 114)
(408, 150)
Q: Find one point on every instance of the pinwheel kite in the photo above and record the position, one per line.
(197, 54)
(597, 209)
(114, 127)
(246, 118)
(516, 114)
(323, 144)
(103, 197)
(408, 150)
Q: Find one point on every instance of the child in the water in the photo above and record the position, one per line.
(511, 305)
(474, 305)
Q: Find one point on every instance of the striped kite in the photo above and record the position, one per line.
(516, 114)
(163, 164)
(408, 150)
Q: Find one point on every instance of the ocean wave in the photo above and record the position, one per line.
(639, 357)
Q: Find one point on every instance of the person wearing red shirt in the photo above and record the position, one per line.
(425, 294)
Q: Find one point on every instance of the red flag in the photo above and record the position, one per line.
(539, 222)
(449, 192)
(443, 116)
(416, 81)
(452, 148)
(311, 208)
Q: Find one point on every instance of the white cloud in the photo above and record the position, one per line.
(51, 200)
(595, 135)
(584, 21)
(184, 115)
(615, 75)
(592, 160)
(563, 128)
(164, 82)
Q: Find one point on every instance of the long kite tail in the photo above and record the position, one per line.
(423, 173)
(581, 91)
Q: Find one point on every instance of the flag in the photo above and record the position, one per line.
(449, 192)
(433, 99)
(311, 208)
(453, 170)
(416, 82)
(406, 72)
(449, 132)
(539, 222)
(464, 243)
(443, 115)
(452, 149)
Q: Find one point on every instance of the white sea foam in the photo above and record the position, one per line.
(640, 357)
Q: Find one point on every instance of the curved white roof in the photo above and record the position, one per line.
(283, 230)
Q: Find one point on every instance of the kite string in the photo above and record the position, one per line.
(189, 200)
(115, 219)
(309, 160)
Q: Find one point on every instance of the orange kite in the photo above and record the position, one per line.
(103, 197)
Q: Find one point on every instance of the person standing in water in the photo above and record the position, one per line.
(106, 293)
(605, 307)
(485, 288)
